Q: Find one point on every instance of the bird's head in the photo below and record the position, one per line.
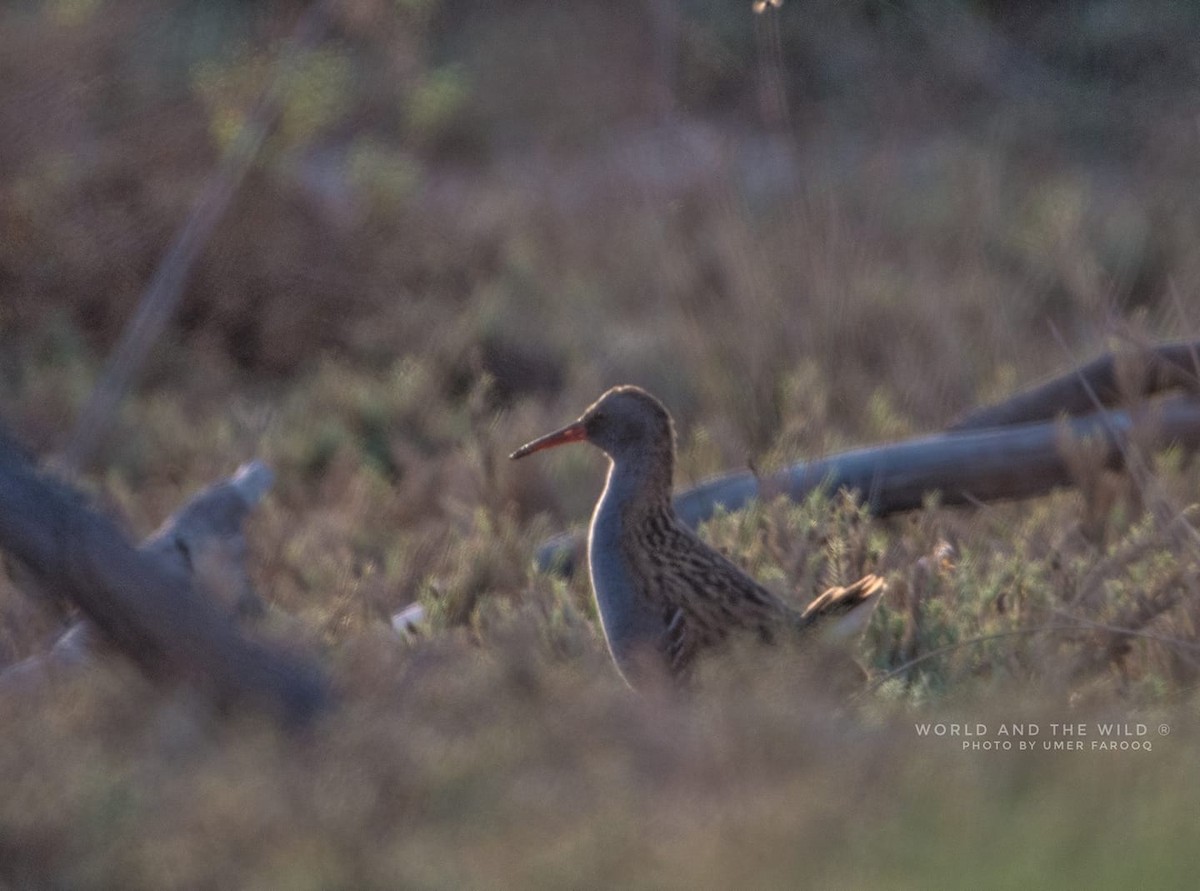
(626, 423)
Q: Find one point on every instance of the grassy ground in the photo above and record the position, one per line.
(806, 232)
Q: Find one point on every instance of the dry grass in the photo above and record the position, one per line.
(458, 240)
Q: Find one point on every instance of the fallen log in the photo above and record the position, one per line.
(962, 467)
(1108, 381)
(144, 603)
(204, 539)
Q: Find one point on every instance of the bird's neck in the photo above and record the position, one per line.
(638, 487)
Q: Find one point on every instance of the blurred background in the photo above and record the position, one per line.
(833, 223)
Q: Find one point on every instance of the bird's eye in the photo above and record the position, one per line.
(598, 417)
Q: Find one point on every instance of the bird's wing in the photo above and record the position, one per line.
(679, 645)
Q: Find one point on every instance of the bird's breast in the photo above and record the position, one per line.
(633, 626)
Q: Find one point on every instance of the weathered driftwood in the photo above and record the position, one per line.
(204, 539)
(1109, 380)
(961, 467)
(144, 601)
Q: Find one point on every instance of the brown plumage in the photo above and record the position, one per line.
(664, 596)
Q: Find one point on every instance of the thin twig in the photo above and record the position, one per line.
(1133, 632)
(1080, 625)
(165, 290)
(949, 648)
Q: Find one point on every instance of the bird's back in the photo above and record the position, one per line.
(704, 598)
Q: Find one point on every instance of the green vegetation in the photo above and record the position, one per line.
(844, 224)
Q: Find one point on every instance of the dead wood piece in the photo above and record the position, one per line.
(205, 538)
(1109, 380)
(144, 605)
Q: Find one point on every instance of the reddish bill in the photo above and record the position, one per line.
(571, 433)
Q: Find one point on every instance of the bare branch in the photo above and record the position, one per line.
(145, 605)
(163, 293)
(1110, 379)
